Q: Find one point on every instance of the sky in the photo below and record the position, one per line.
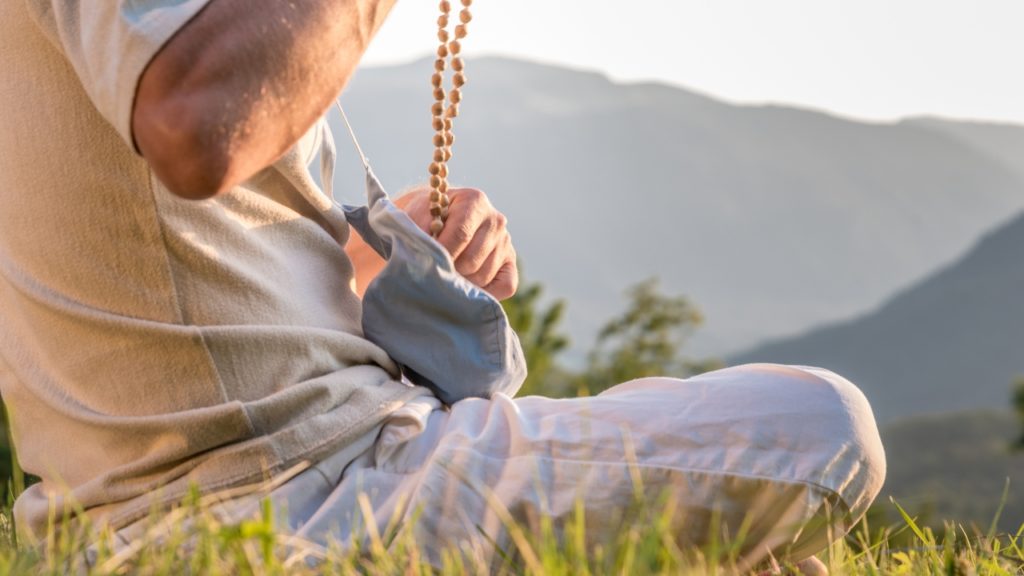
(866, 59)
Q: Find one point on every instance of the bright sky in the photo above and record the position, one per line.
(872, 59)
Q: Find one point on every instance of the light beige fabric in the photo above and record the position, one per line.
(146, 340)
(793, 451)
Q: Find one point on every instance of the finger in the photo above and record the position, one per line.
(495, 260)
(506, 281)
(488, 238)
(468, 209)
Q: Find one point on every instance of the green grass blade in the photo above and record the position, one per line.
(999, 511)
(910, 521)
(17, 474)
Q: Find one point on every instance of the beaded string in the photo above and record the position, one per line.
(444, 116)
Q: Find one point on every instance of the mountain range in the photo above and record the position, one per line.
(954, 341)
(773, 220)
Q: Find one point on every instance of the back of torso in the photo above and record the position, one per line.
(144, 337)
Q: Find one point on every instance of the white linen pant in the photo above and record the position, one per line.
(794, 451)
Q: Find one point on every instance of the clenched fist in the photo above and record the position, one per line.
(476, 236)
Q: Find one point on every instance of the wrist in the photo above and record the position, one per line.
(415, 202)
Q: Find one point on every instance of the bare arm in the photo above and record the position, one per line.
(239, 85)
(365, 260)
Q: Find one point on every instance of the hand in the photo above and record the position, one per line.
(476, 236)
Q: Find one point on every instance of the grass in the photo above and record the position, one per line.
(193, 540)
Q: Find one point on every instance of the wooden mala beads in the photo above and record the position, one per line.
(446, 107)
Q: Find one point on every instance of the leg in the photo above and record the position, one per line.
(792, 451)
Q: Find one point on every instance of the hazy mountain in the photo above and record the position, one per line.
(772, 219)
(1003, 142)
(954, 341)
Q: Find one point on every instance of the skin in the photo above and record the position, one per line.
(231, 92)
(476, 235)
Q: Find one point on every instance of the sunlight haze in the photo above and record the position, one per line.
(870, 59)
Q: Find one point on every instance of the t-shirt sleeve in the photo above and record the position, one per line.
(110, 42)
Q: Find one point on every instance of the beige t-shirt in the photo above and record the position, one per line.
(148, 341)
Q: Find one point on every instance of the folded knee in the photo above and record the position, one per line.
(856, 442)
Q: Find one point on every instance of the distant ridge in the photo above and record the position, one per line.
(955, 341)
(1000, 140)
(772, 219)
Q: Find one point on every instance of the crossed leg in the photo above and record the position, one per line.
(790, 456)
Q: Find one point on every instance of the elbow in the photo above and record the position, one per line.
(187, 152)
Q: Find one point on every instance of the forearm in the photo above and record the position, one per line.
(239, 85)
(367, 263)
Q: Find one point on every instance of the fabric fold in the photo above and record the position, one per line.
(448, 334)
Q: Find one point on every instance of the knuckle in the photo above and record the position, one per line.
(472, 194)
(462, 233)
(467, 267)
(483, 263)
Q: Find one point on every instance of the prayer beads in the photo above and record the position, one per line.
(443, 115)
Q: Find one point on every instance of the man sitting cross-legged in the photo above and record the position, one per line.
(181, 305)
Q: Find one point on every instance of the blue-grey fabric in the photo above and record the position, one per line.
(448, 334)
